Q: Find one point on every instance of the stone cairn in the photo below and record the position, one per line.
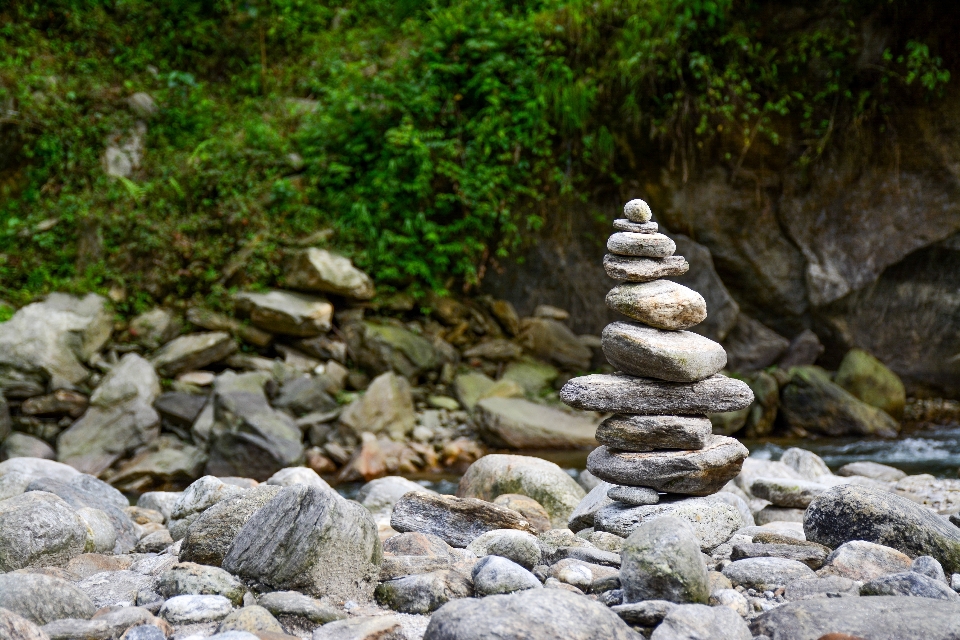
(659, 439)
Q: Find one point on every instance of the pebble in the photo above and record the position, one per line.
(646, 433)
(678, 356)
(627, 269)
(661, 304)
(618, 393)
(635, 496)
(637, 211)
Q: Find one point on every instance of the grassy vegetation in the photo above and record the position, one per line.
(428, 138)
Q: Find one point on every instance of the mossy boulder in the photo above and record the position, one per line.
(872, 382)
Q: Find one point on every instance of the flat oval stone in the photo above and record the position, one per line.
(622, 224)
(635, 496)
(661, 304)
(630, 269)
(696, 473)
(644, 245)
(679, 356)
(619, 393)
(646, 433)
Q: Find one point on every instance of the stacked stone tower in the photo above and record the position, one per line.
(659, 439)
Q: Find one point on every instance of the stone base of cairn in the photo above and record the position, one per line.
(659, 440)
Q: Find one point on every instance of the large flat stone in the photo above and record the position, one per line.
(661, 304)
(678, 356)
(619, 393)
(712, 519)
(457, 521)
(624, 224)
(646, 433)
(515, 423)
(698, 472)
(193, 351)
(629, 269)
(643, 245)
(285, 312)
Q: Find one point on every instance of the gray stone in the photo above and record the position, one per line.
(582, 517)
(309, 539)
(22, 445)
(162, 501)
(518, 546)
(14, 483)
(154, 327)
(661, 304)
(823, 587)
(180, 408)
(295, 609)
(641, 245)
(253, 619)
(777, 514)
(497, 474)
(386, 407)
(783, 492)
(194, 609)
(553, 341)
(197, 498)
(864, 561)
(101, 536)
(121, 418)
(306, 394)
(637, 211)
(850, 512)
(41, 598)
(627, 269)
(458, 521)
(700, 622)
(193, 351)
(534, 614)
(381, 346)
(644, 614)
(87, 564)
(929, 567)
(154, 542)
(661, 561)
(634, 496)
(877, 618)
(646, 433)
(15, 627)
(702, 278)
(713, 521)
(188, 578)
(39, 529)
(807, 464)
(697, 473)
(765, 574)
(108, 588)
(38, 468)
(145, 632)
(619, 393)
(624, 224)
(99, 490)
(362, 628)
(730, 598)
(495, 575)
(678, 356)
(805, 348)
(109, 624)
(296, 475)
(293, 314)
(734, 500)
(424, 592)
(515, 423)
(909, 583)
(379, 495)
(812, 556)
(752, 346)
(327, 272)
(872, 470)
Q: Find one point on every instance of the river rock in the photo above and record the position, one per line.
(583, 516)
(851, 512)
(527, 507)
(661, 304)
(379, 495)
(641, 245)
(22, 445)
(386, 407)
(864, 561)
(796, 494)
(713, 521)
(807, 464)
(39, 529)
(295, 609)
(495, 575)
(41, 598)
(253, 619)
(533, 614)
(649, 613)
(197, 498)
(362, 628)
(822, 587)
(877, 618)
(458, 521)
(121, 418)
(101, 536)
(194, 609)
(15, 627)
(812, 402)
(872, 382)
(661, 561)
(637, 211)
(250, 438)
(812, 556)
(697, 473)
(634, 496)
(765, 574)
(309, 539)
(909, 583)
(192, 351)
(497, 474)
(327, 272)
(293, 314)
(188, 578)
(424, 592)
(306, 394)
(872, 470)
(929, 567)
(646, 433)
(554, 342)
(109, 588)
(678, 356)
(517, 546)
(382, 346)
(623, 224)
(627, 269)
(700, 622)
(618, 393)
(515, 423)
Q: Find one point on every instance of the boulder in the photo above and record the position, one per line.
(193, 351)
(214, 321)
(713, 520)
(45, 344)
(515, 423)
(293, 314)
(812, 402)
(423, 593)
(871, 382)
(702, 278)
(41, 598)
(311, 540)
(544, 481)
(39, 529)
(210, 535)
(38, 468)
(551, 341)
(619, 393)
(532, 375)
(386, 407)
(807, 464)
(872, 470)
(180, 408)
(164, 463)
(121, 418)
(700, 622)
(306, 394)
(495, 575)
(751, 345)
(661, 561)
(327, 272)
(532, 614)
(457, 521)
(851, 512)
(380, 346)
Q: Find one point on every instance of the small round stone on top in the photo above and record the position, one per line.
(637, 211)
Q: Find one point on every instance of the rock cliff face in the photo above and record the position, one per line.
(862, 247)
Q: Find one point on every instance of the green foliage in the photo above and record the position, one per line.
(430, 137)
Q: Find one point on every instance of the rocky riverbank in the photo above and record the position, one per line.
(785, 550)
